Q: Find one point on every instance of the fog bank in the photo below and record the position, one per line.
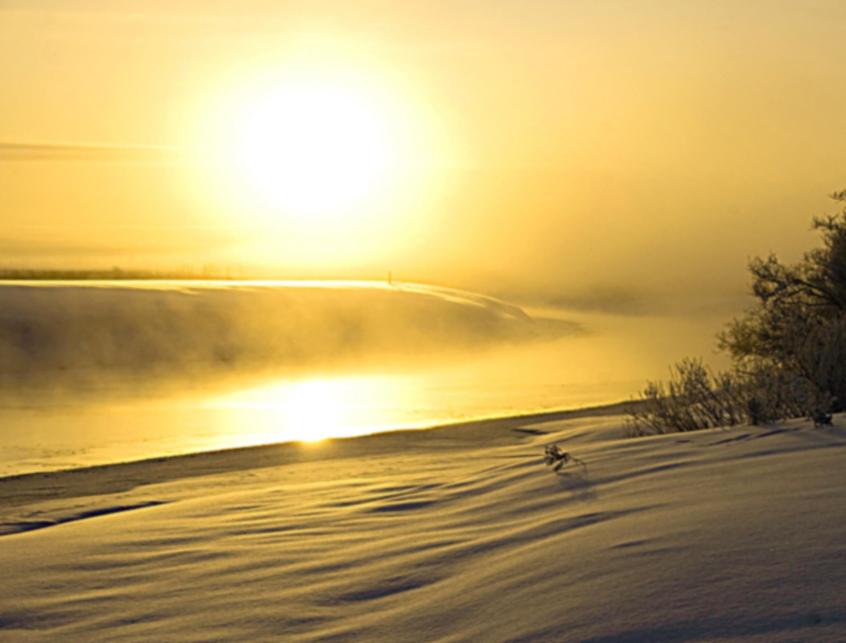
(73, 334)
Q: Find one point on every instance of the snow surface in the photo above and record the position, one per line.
(448, 535)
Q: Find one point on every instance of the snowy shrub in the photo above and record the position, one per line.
(695, 398)
(789, 350)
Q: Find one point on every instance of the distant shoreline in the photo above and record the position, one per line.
(112, 274)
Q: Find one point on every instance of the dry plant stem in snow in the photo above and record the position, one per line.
(553, 455)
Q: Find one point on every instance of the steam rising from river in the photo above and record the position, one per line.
(75, 335)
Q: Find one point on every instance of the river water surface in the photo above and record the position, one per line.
(608, 359)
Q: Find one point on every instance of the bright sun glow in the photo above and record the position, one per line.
(317, 409)
(322, 164)
(313, 149)
(313, 410)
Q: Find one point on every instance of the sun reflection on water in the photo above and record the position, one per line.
(316, 409)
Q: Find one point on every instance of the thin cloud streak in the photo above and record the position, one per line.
(90, 153)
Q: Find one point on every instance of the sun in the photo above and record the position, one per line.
(317, 163)
(313, 149)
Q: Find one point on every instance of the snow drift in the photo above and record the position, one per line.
(457, 535)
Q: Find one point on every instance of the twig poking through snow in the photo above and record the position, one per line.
(553, 455)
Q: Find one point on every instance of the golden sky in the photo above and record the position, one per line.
(526, 146)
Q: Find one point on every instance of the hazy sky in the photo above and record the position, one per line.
(556, 147)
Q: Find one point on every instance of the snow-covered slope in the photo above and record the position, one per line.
(450, 535)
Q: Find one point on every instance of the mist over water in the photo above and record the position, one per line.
(75, 336)
(109, 371)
